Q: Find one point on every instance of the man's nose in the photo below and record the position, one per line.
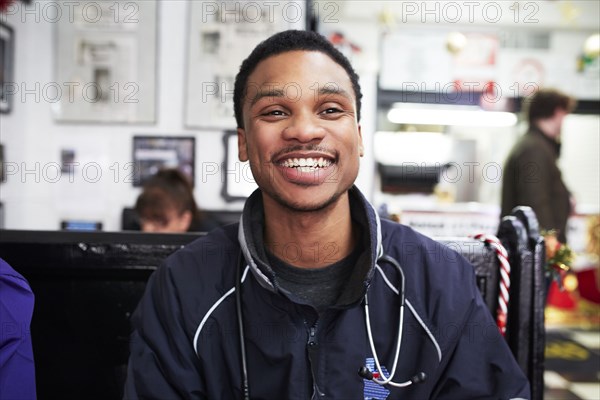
(304, 128)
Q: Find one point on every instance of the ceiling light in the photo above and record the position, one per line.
(454, 116)
(591, 47)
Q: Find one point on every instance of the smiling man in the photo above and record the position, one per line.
(311, 295)
(301, 135)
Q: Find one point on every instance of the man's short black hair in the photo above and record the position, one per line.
(282, 42)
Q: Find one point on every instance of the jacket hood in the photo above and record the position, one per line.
(250, 236)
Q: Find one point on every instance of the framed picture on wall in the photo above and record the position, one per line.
(238, 182)
(220, 37)
(153, 153)
(106, 63)
(7, 49)
(2, 174)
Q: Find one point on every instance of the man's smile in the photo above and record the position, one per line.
(306, 164)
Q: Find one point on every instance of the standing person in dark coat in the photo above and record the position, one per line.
(531, 174)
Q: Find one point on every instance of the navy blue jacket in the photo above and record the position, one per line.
(185, 342)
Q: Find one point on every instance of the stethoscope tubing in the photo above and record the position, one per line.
(242, 336)
(382, 382)
(388, 380)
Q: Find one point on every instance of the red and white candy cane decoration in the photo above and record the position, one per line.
(503, 296)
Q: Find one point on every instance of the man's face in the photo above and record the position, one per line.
(300, 130)
(557, 119)
(552, 126)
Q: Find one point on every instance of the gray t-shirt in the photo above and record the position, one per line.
(319, 287)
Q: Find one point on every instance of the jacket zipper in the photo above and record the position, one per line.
(312, 348)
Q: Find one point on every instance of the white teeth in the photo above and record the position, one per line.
(306, 164)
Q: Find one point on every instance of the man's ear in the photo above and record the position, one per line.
(361, 147)
(242, 149)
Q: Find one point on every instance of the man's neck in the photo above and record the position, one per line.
(309, 239)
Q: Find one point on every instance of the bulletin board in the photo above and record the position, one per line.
(514, 63)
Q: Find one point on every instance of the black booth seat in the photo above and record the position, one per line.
(87, 285)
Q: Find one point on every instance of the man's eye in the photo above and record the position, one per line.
(275, 113)
(331, 110)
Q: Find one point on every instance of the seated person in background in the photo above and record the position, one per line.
(167, 205)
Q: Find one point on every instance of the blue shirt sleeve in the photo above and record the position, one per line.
(17, 369)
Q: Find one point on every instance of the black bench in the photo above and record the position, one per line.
(86, 286)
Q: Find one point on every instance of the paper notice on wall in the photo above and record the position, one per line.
(82, 186)
(415, 61)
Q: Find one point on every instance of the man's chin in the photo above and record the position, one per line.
(307, 205)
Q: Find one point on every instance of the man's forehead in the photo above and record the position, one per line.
(294, 71)
(282, 67)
